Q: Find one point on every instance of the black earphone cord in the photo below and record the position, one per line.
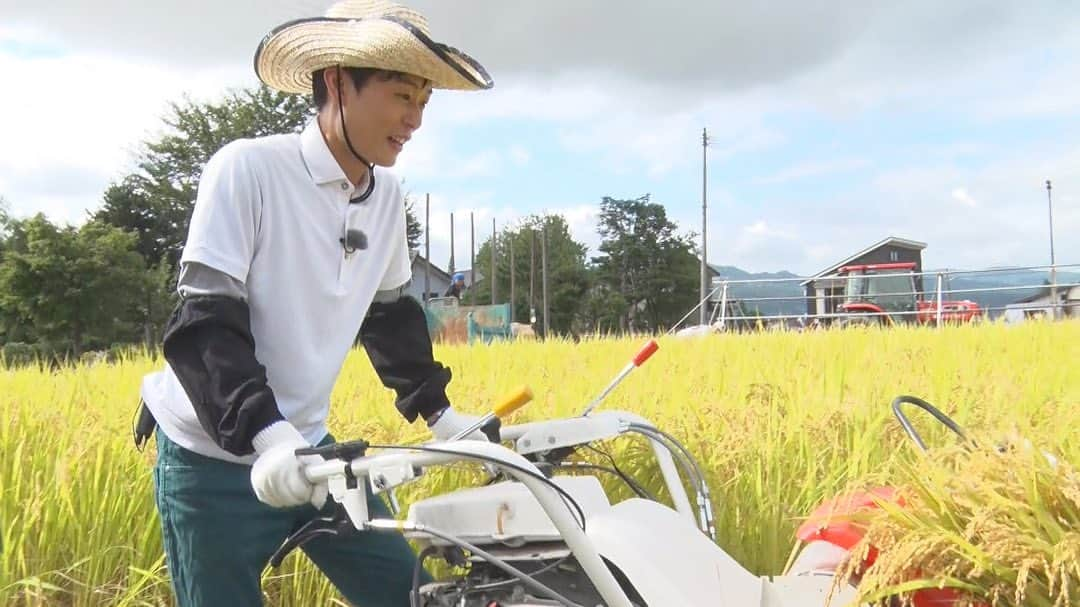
(345, 132)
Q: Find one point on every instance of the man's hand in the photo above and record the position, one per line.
(278, 476)
(448, 422)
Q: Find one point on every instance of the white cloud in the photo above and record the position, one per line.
(706, 46)
(760, 235)
(424, 156)
(961, 195)
(572, 97)
(97, 80)
(483, 164)
(759, 228)
(519, 155)
(29, 42)
(433, 161)
(627, 141)
(1007, 227)
(479, 204)
(580, 218)
(815, 169)
(80, 117)
(820, 254)
(582, 221)
(755, 246)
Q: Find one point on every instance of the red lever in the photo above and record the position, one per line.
(646, 351)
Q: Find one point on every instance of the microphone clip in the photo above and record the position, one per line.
(354, 240)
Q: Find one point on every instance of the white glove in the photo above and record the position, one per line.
(278, 475)
(450, 422)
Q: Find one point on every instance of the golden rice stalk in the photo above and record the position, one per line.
(999, 524)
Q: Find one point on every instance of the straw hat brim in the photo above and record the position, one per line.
(287, 57)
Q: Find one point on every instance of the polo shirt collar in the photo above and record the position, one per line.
(321, 164)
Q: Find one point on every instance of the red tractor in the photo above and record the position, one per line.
(886, 294)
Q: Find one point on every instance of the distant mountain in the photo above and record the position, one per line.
(788, 298)
(769, 298)
(733, 273)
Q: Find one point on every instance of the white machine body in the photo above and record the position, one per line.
(664, 556)
(505, 513)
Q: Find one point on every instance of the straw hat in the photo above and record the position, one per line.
(363, 33)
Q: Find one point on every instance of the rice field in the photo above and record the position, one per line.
(780, 422)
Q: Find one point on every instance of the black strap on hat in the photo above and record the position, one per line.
(345, 131)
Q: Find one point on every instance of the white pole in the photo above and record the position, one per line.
(940, 295)
(723, 306)
(427, 247)
(1053, 264)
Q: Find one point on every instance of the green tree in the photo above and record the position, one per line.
(156, 302)
(70, 288)
(130, 209)
(5, 226)
(603, 309)
(567, 272)
(413, 229)
(645, 262)
(8, 324)
(127, 206)
(5, 218)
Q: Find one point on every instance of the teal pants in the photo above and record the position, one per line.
(219, 538)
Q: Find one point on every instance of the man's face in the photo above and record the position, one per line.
(383, 115)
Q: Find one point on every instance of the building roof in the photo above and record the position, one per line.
(1041, 294)
(891, 240)
(421, 261)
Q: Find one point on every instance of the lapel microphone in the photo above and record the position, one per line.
(353, 241)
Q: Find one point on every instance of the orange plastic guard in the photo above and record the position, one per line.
(513, 401)
(646, 351)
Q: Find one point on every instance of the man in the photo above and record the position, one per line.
(457, 287)
(297, 244)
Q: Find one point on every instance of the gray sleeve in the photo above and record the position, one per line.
(197, 279)
(391, 295)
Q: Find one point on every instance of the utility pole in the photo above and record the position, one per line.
(532, 275)
(1053, 264)
(427, 247)
(510, 243)
(704, 230)
(451, 244)
(544, 276)
(472, 259)
(492, 261)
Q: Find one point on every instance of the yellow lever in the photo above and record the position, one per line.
(514, 401)
(506, 406)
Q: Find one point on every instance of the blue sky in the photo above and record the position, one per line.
(832, 127)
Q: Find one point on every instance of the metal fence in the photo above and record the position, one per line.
(946, 296)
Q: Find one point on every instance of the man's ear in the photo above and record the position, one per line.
(330, 79)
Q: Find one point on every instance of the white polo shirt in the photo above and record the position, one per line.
(270, 213)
